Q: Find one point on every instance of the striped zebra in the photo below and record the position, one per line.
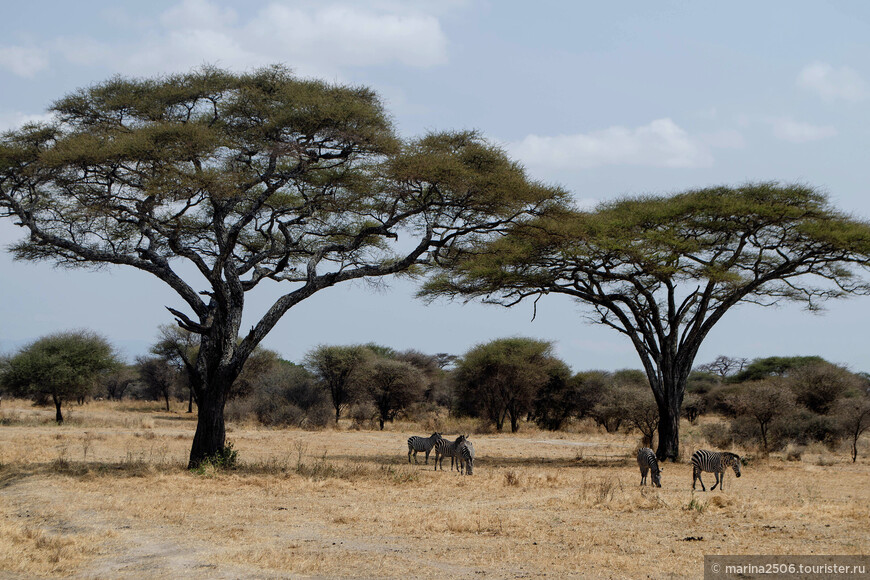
(426, 444)
(647, 462)
(465, 457)
(445, 448)
(715, 462)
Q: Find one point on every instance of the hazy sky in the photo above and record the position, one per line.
(606, 99)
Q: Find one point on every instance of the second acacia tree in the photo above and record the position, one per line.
(663, 270)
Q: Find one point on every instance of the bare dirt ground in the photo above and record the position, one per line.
(106, 496)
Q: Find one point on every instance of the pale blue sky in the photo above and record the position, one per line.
(605, 99)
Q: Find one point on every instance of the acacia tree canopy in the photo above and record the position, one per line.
(245, 179)
(663, 270)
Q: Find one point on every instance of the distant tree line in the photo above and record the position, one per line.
(774, 401)
(766, 403)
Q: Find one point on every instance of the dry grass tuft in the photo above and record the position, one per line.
(601, 491)
(511, 478)
(720, 501)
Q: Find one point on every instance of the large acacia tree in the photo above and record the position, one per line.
(663, 270)
(216, 183)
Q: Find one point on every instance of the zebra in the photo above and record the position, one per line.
(647, 461)
(445, 448)
(426, 444)
(465, 457)
(715, 462)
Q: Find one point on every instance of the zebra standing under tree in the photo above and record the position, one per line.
(426, 444)
(647, 462)
(445, 448)
(715, 462)
(465, 457)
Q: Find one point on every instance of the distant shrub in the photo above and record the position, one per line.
(694, 405)
(718, 435)
(285, 397)
(363, 416)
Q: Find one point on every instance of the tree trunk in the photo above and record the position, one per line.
(166, 397)
(190, 401)
(382, 424)
(669, 423)
(210, 437)
(337, 413)
(58, 416)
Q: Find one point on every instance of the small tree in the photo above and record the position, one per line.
(501, 379)
(436, 388)
(724, 366)
(611, 412)
(158, 376)
(391, 385)
(336, 368)
(642, 413)
(764, 401)
(853, 416)
(116, 382)
(561, 398)
(180, 348)
(60, 366)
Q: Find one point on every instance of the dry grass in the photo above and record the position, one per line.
(107, 495)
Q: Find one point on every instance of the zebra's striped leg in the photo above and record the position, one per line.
(717, 482)
(427, 457)
(696, 475)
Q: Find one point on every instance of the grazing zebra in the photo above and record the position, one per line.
(647, 461)
(426, 444)
(715, 462)
(465, 457)
(445, 448)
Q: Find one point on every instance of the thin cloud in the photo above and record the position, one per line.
(23, 61)
(833, 83)
(16, 120)
(793, 131)
(661, 143)
(314, 39)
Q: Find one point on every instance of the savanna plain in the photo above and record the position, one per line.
(107, 495)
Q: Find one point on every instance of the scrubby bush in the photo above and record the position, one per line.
(818, 386)
(363, 415)
(763, 402)
(718, 435)
(286, 396)
(694, 406)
